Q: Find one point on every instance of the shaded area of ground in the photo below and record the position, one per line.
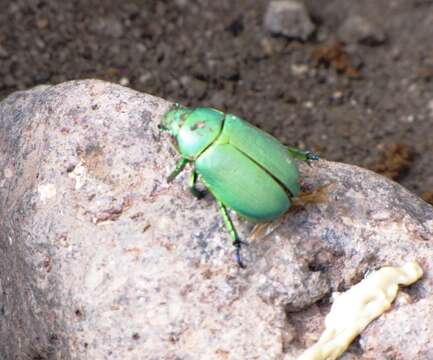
(217, 53)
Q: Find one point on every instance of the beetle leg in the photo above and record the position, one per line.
(233, 234)
(303, 155)
(173, 147)
(196, 192)
(179, 167)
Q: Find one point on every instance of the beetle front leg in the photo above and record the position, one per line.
(233, 234)
(196, 192)
(303, 155)
(179, 167)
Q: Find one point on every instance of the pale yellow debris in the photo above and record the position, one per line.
(354, 309)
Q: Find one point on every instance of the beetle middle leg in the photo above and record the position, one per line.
(196, 192)
(178, 169)
(233, 234)
(303, 155)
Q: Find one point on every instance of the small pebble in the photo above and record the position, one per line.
(288, 18)
(299, 69)
(109, 26)
(3, 53)
(357, 29)
(144, 78)
(124, 81)
(430, 106)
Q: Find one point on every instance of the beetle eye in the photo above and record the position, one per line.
(162, 127)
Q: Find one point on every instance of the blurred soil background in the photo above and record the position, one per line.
(351, 80)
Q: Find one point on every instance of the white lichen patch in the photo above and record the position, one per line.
(47, 191)
(381, 215)
(354, 309)
(80, 175)
(8, 173)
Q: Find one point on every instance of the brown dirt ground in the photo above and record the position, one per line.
(367, 105)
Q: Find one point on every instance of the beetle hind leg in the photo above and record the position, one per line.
(194, 191)
(302, 155)
(237, 243)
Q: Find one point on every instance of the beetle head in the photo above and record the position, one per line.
(173, 120)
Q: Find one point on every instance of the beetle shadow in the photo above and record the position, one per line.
(320, 195)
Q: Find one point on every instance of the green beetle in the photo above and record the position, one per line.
(245, 169)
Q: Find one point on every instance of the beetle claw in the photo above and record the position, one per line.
(237, 244)
(238, 259)
(311, 157)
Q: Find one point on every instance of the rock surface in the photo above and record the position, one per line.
(101, 258)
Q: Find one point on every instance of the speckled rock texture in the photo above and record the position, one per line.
(102, 259)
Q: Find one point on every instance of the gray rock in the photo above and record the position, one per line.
(357, 29)
(377, 339)
(289, 18)
(101, 258)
